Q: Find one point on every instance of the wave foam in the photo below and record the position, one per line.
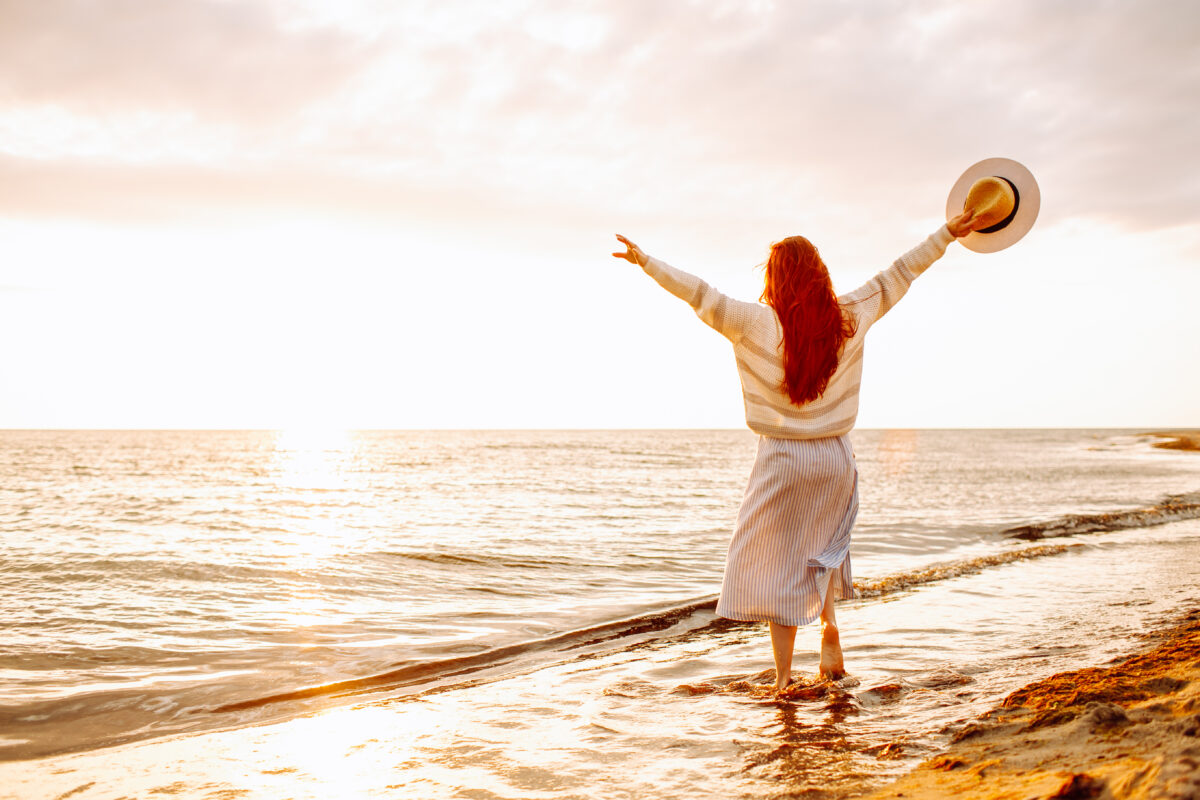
(1172, 509)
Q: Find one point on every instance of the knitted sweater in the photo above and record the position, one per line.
(757, 339)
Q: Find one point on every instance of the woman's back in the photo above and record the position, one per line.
(757, 336)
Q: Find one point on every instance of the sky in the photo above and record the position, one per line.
(382, 214)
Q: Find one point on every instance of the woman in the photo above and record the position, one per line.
(799, 358)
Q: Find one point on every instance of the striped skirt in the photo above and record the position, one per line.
(792, 541)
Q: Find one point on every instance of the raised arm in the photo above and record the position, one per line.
(731, 318)
(877, 296)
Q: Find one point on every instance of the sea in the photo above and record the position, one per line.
(530, 614)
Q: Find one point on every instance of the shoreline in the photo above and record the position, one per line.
(1130, 729)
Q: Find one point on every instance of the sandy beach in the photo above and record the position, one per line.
(1130, 730)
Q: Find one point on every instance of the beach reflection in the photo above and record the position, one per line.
(349, 752)
(805, 746)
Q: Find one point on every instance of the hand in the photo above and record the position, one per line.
(633, 254)
(964, 223)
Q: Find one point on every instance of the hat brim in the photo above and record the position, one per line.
(1030, 201)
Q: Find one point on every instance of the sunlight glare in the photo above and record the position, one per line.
(347, 751)
(897, 449)
(312, 458)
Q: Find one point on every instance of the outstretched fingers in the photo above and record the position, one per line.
(633, 254)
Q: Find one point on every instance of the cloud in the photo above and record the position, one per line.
(1096, 98)
(218, 59)
(857, 107)
(693, 109)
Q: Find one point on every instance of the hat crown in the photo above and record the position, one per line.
(989, 183)
(992, 200)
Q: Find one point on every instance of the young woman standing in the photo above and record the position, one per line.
(799, 357)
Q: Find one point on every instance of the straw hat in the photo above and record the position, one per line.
(1007, 197)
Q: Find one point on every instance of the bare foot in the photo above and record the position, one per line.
(780, 685)
(832, 666)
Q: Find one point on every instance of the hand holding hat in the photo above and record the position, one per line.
(992, 205)
(965, 223)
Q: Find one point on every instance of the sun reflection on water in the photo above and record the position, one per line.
(312, 469)
(313, 458)
(897, 450)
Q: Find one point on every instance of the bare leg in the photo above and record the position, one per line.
(832, 666)
(783, 640)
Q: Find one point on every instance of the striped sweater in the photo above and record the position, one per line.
(757, 339)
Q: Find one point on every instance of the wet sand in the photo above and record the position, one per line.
(1178, 440)
(1131, 730)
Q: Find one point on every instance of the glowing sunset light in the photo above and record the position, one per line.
(307, 213)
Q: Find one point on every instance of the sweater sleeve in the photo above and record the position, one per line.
(876, 297)
(731, 318)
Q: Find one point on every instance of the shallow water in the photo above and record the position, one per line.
(465, 587)
(625, 719)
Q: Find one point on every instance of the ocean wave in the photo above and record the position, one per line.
(939, 572)
(1171, 509)
(143, 568)
(695, 617)
(466, 559)
(426, 673)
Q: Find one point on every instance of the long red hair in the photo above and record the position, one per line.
(814, 326)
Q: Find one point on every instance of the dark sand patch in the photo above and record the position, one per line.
(1177, 440)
